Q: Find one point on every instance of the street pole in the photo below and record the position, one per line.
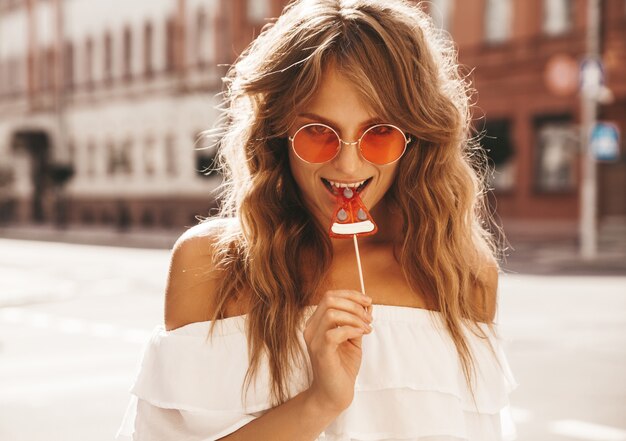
(61, 148)
(589, 97)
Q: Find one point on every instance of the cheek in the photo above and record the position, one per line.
(389, 175)
(300, 172)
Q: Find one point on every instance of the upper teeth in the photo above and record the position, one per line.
(343, 184)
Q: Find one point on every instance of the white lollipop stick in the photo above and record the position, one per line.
(358, 262)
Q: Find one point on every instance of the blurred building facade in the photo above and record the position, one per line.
(101, 103)
(525, 57)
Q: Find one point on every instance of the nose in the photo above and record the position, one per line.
(349, 159)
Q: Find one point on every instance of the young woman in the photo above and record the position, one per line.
(267, 332)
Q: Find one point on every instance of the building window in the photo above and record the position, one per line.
(124, 163)
(167, 217)
(46, 68)
(128, 54)
(556, 142)
(205, 155)
(111, 159)
(108, 58)
(206, 164)
(68, 60)
(200, 38)
(91, 158)
(498, 145)
(258, 11)
(171, 166)
(557, 16)
(170, 44)
(498, 20)
(441, 13)
(87, 216)
(89, 63)
(118, 158)
(147, 50)
(147, 218)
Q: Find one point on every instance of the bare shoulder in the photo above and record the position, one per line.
(192, 275)
(487, 274)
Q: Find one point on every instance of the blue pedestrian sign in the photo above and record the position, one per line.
(604, 141)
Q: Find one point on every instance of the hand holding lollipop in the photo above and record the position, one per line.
(352, 219)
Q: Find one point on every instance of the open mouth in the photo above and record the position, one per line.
(336, 187)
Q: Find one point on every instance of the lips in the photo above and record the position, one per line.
(335, 187)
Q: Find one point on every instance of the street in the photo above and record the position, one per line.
(73, 319)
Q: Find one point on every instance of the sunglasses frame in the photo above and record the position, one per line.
(341, 142)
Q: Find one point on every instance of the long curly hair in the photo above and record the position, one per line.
(277, 256)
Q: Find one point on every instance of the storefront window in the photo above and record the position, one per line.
(499, 148)
(556, 142)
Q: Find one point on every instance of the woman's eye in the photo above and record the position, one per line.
(318, 130)
(381, 130)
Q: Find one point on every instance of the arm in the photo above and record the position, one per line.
(487, 300)
(301, 418)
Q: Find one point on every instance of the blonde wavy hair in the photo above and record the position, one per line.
(277, 257)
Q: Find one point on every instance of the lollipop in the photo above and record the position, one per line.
(352, 219)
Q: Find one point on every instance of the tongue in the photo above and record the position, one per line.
(351, 216)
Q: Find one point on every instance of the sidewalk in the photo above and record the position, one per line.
(553, 248)
(132, 238)
(534, 249)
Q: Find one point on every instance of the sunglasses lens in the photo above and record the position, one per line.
(316, 143)
(383, 144)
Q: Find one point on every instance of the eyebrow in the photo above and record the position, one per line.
(314, 116)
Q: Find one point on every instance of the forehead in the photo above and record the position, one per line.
(337, 99)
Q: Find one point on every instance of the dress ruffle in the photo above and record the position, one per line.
(410, 385)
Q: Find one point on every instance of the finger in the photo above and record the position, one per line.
(336, 336)
(355, 296)
(328, 299)
(344, 304)
(335, 317)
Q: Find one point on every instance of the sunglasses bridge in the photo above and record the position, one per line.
(341, 141)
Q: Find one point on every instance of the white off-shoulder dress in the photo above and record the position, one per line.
(410, 386)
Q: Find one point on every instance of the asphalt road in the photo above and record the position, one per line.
(73, 319)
